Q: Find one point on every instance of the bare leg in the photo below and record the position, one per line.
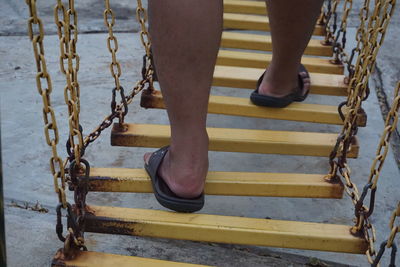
(292, 23)
(185, 40)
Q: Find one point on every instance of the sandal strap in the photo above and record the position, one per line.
(155, 160)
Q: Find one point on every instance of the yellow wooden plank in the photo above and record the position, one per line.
(235, 140)
(97, 259)
(262, 60)
(239, 77)
(255, 23)
(245, 7)
(238, 106)
(264, 43)
(224, 229)
(224, 183)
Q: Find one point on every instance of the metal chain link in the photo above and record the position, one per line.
(369, 43)
(68, 52)
(340, 55)
(115, 66)
(44, 86)
(57, 166)
(66, 20)
(361, 37)
(147, 72)
(329, 19)
(389, 243)
(362, 211)
(79, 168)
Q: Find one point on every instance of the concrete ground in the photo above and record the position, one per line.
(31, 239)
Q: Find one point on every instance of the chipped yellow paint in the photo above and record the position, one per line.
(245, 7)
(262, 60)
(224, 229)
(235, 140)
(224, 183)
(238, 106)
(239, 77)
(264, 43)
(255, 22)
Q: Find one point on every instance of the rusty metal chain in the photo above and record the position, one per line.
(329, 19)
(362, 211)
(148, 66)
(361, 37)
(340, 55)
(368, 44)
(147, 71)
(389, 243)
(115, 66)
(66, 20)
(44, 86)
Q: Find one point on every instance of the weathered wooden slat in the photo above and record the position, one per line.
(245, 7)
(239, 77)
(224, 229)
(255, 23)
(297, 185)
(264, 43)
(235, 140)
(262, 60)
(98, 259)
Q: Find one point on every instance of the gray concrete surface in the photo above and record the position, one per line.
(31, 233)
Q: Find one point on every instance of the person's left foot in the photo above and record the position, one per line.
(275, 85)
(279, 92)
(185, 166)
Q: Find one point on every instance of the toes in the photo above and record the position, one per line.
(306, 86)
(304, 74)
(146, 157)
(306, 81)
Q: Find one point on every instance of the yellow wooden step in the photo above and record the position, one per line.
(262, 60)
(255, 23)
(235, 140)
(97, 259)
(245, 7)
(239, 77)
(238, 106)
(224, 183)
(224, 229)
(264, 43)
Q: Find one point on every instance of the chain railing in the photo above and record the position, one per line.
(66, 19)
(115, 66)
(44, 86)
(363, 212)
(390, 242)
(118, 110)
(329, 19)
(57, 165)
(339, 44)
(369, 39)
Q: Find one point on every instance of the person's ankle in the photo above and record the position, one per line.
(185, 166)
(186, 174)
(278, 83)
